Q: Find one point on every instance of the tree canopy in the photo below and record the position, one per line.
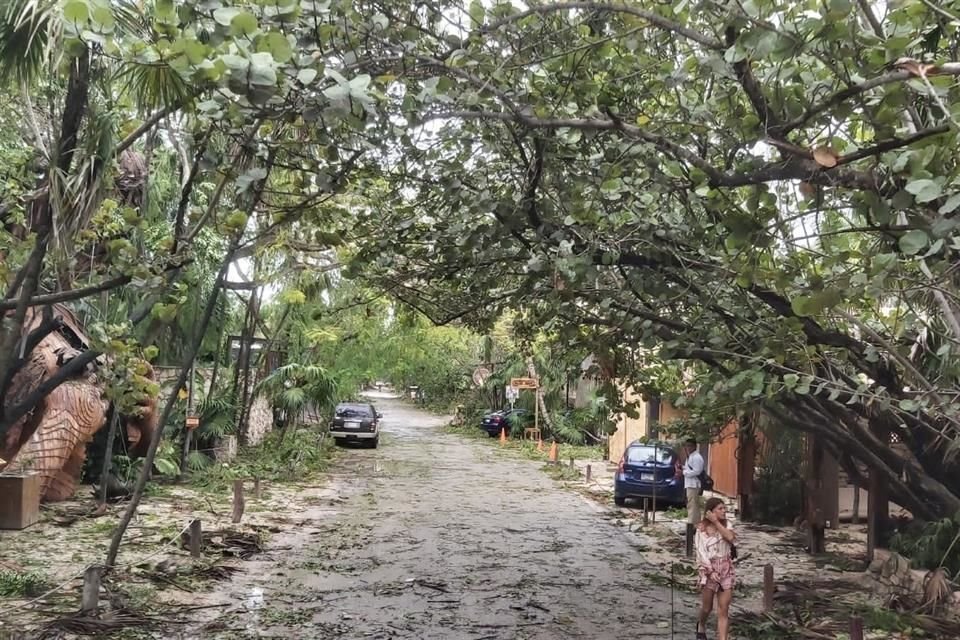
(761, 194)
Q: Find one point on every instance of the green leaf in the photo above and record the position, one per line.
(924, 190)
(237, 64)
(262, 71)
(243, 24)
(909, 405)
(803, 305)
(477, 13)
(166, 466)
(76, 11)
(104, 17)
(913, 241)
(612, 185)
(306, 76)
(950, 205)
(277, 45)
(195, 51)
(293, 297)
(790, 380)
(165, 8)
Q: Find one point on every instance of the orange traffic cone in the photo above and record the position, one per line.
(554, 453)
(539, 444)
(503, 436)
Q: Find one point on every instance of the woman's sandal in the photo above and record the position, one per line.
(701, 635)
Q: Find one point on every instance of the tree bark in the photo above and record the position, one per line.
(108, 451)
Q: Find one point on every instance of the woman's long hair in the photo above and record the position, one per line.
(711, 504)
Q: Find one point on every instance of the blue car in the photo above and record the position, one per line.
(492, 423)
(648, 471)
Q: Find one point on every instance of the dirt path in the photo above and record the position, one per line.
(433, 536)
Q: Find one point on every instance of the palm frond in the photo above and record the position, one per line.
(130, 18)
(197, 461)
(27, 30)
(294, 387)
(216, 417)
(152, 86)
(292, 399)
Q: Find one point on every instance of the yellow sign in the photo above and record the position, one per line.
(524, 383)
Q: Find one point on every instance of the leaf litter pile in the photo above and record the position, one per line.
(236, 544)
(822, 610)
(118, 612)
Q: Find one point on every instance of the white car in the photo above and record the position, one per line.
(356, 422)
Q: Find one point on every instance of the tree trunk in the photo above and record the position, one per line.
(244, 367)
(28, 279)
(108, 452)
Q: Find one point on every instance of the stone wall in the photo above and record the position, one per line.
(261, 420)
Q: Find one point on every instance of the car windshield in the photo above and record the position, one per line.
(353, 411)
(649, 454)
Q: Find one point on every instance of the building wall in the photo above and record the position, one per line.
(628, 429)
(724, 460)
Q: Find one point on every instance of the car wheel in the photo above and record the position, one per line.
(338, 442)
(375, 443)
(619, 501)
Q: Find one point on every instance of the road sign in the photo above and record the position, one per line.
(512, 393)
(524, 383)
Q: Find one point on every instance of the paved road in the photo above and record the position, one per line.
(435, 537)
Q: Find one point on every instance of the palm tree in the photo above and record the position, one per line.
(295, 388)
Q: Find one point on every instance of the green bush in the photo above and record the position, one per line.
(931, 545)
(298, 455)
(28, 584)
(778, 481)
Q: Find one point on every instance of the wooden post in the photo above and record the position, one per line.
(856, 628)
(878, 505)
(238, 503)
(813, 508)
(90, 600)
(878, 513)
(768, 588)
(196, 537)
(691, 530)
(589, 470)
(571, 463)
(830, 490)
(256, 489)
(856, 504)
(646, 512)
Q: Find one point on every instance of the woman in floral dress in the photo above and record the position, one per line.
(714, 542)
